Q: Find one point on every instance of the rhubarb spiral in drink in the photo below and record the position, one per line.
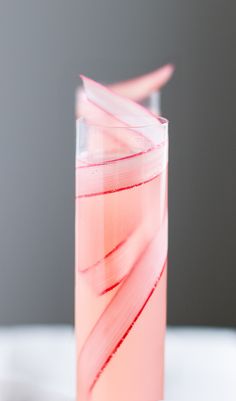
(121, 257)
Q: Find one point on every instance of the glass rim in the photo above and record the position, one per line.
(163, 123)
(138, 152)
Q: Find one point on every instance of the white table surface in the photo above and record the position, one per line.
(37, 364)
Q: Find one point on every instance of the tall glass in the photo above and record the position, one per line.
(121, 261)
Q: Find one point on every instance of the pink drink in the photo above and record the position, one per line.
(121, 255)
(121, 249)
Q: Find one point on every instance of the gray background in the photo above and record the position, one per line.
(44, 45)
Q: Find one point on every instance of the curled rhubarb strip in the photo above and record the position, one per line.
(121, 313)
(141, 87)
(125, 111)
(117, 140)
(129, 171)
(108, 272)
(150, 152)
(136, 89)
(96, 103)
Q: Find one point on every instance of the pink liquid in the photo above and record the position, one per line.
(121, 256)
